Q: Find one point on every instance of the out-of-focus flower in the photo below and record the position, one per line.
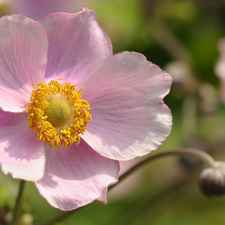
(37, 9)
(26, 219)
(212, 180)
(5, 7)
(179, 71)
(220, 68)
(183, 81)
(70, 150)
(208, 98)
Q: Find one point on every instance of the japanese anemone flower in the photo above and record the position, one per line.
(70, 109)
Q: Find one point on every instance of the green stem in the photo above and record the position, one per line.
(185, 151)
(59, 218)
(17, 209)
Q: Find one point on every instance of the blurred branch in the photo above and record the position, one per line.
(3, 219)
(184, 152)
(163, 35)
(17, 209)
(171, 192)
(189, 111)
(59, 218)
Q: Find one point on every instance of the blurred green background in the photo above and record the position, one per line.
(180, 36)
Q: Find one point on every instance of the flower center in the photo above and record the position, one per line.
(58, 114)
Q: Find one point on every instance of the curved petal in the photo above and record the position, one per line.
(37, 9)
(129, 117)
(21, 154)
(23, 58)
(76, 177)
(77, 45)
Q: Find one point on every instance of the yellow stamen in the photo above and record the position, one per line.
(57, 113)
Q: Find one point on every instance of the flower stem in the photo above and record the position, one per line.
(17, 208)
(156, 204)
(59, 218)
(185, 151)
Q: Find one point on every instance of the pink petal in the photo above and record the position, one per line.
(77, 45)
(36, 9)
(23, 58)
(76, 177)
(129, 117)
(21, 154)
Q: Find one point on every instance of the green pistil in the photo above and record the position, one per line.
(58, 112)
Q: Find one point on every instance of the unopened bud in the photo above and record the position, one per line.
(212, 180)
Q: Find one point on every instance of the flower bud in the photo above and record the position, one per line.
(212, 180)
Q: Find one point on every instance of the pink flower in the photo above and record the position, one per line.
(41, 111)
